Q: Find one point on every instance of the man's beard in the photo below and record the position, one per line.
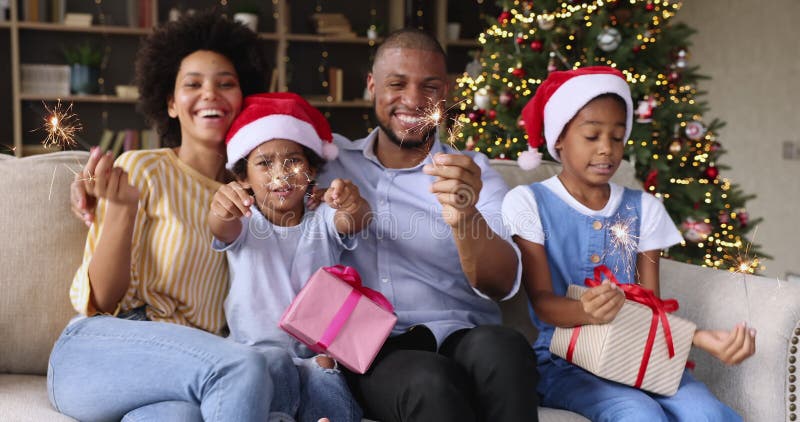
(425, 139)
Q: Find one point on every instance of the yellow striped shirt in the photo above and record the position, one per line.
(174, 271)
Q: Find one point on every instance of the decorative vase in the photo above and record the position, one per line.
(249, 20)
(83, 79)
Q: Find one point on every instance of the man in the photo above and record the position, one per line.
(438, 251)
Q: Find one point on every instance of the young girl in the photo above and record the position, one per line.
(150, 291)
(561, 226)
(276, 148)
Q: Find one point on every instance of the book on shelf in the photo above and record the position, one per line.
(127, 140)
(105, 140)
(78, 19)
(335, 79)
(119, 141)
(273, 80)
(332, 24)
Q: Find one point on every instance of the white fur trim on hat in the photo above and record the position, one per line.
(575, 93)
(274, 126)
(530, 159)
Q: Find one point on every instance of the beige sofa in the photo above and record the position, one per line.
(42, 246)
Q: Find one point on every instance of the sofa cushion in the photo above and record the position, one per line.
(24, 398)
(43, 250)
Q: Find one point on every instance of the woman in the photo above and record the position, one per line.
(150, 289)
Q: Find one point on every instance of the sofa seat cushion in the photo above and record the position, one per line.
(24, 398)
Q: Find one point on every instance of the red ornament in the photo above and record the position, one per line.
(492, 114)
(637, 48)
(504, 17)
(651, 181)
(520, 40)
(673, 76)
(712, 172)
(743, 218)
(473, 116)
(505, 98)
(536, 45)
(518, 72)
(724, 217)
(649, 7)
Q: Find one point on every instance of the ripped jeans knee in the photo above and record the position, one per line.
(326, 363)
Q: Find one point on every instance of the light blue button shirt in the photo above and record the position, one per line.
(408, 252)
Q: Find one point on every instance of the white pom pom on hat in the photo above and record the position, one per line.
(562, 95)
(280, 115)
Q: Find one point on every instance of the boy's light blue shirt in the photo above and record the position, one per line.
(408, 252)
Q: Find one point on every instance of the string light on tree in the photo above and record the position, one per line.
(674, 146)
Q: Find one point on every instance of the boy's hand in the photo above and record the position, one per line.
(103, 180)
(602, 303)
(232, 201)
(343, 195)
(730, 347)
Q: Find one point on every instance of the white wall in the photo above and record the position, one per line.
(751, 51)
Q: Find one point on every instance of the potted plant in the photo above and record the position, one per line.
(247, 15)
(84, 61)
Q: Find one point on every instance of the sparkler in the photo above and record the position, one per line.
(432, 116)
(625, 243)
(743, 263)
(61, 126)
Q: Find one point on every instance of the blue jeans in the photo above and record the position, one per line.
(106, 368)
(566, 386)
(324, 393)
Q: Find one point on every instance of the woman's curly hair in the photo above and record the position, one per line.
(161, 54)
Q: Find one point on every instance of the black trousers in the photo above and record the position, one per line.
(486, 373)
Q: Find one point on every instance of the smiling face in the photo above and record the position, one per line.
(592, 144)
(404, 83)
(206, 99)
(278, 173)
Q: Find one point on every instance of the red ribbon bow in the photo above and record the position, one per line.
(641, 295)
(351, 277)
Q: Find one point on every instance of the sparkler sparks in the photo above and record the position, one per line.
(624, 243)
(61, 126)
(431, 117)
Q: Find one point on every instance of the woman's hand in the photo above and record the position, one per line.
(602, 303)
(730, 347)
(81, 203)
(101, 179)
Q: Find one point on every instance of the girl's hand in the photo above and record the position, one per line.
(343, 195)
(603, 302)
(730, 347)
(103, 180)
(232, 201)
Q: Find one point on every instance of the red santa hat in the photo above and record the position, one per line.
(280, 115)
(560, 97)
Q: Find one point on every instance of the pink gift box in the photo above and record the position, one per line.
(334, 314)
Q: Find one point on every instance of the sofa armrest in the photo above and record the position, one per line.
(762, 388)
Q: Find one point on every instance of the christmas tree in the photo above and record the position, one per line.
(673, 147)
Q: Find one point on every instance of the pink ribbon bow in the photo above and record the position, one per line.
(351, 277)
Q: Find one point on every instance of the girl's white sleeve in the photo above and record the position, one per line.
(657, 231)
(521, 215)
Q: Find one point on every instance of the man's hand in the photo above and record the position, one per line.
(231, 201)
(457, 186)
(602, 303)
(730, 347)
